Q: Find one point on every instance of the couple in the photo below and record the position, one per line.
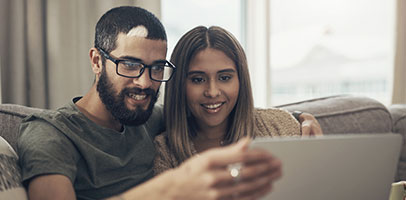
(101, 145)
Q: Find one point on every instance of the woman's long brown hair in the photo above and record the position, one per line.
(179, 124)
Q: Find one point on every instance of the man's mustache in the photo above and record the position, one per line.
(147, 91)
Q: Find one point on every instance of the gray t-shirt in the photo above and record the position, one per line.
(100, 162)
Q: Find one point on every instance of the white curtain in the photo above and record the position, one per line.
(399, 78)
(257, 32)
(44, 48)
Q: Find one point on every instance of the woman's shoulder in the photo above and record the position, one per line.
(161, 142)
(273, 114)
(271, 111)
(164, 158)
(276, 122)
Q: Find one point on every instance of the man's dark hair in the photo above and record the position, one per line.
(122, 20)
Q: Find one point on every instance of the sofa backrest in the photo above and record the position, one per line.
(336, 114)
(10, 118)
(347, 114)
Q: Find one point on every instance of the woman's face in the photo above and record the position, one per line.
(212, 88)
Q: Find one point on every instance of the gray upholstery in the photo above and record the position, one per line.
(10, 118)
(347, 114)
(336, 114)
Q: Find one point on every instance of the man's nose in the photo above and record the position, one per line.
(144, 81)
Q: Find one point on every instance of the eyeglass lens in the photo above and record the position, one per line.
(160, 72)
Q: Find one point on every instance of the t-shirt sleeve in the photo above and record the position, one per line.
(43, 150)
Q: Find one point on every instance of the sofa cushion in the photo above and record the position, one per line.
(346, 114)
(10, 118)
(10, 174)
(398, 112)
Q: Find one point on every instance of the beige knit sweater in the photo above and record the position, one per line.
(270, 122)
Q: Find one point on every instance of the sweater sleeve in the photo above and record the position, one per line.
(164, 158)
(276, 122)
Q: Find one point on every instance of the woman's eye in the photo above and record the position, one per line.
(197, 80)
(224, 78)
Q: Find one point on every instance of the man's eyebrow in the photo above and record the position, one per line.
(160, 61)
(132, 58)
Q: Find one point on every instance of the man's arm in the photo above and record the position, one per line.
(202, 177)
(49, 187)
(207, 176)
(46, 158)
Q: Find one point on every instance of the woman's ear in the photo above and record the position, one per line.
(95, 61)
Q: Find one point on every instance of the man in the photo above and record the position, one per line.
(100, 145)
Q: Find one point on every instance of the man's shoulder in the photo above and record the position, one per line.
(49, 116)
(157, 114)
(156, 123)
(49, 122)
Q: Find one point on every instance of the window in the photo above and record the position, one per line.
(180, 16)
(329, 47)
(316, 48)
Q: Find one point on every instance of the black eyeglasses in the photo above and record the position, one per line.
(160, 71)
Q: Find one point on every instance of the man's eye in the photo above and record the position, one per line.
(157, 68)
(197, 80)
(131, 65)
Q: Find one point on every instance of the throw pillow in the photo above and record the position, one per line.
(10, 174)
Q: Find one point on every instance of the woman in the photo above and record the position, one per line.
(209, 103)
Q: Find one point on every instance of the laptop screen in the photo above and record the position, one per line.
(334, 167)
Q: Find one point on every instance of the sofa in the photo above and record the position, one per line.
(344, 114)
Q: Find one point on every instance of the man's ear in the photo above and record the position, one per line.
(95, 61)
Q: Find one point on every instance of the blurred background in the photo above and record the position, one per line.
(296, 49)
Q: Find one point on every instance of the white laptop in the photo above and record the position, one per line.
(334, 167)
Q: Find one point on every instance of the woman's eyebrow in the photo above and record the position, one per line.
(230, 70)
(195, 72)
(226, 70)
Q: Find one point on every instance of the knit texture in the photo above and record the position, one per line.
(273, 122)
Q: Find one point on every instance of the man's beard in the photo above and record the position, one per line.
(116, 105)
